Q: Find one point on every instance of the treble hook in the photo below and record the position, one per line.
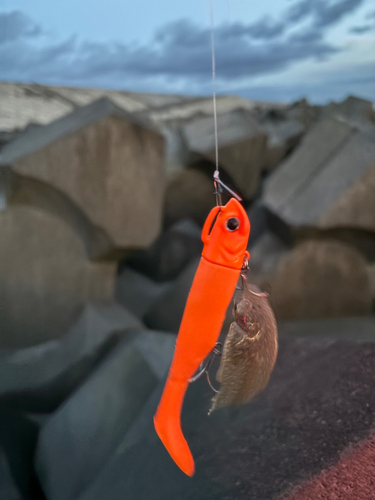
(205, 365)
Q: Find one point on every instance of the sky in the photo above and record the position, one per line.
(273, 50)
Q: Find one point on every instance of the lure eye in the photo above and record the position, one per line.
(233, 224)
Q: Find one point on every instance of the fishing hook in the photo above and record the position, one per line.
(244, 271)
(205, 365)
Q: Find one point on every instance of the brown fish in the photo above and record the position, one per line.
(249, 351)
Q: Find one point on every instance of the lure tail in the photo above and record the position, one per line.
(168, 427)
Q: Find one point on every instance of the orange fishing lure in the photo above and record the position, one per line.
(225, 236)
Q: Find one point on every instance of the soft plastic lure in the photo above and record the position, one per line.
(225, 235)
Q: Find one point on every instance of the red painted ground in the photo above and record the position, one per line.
(352, 478)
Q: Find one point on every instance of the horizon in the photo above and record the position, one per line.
(201, 96)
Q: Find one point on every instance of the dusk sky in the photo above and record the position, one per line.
(278, 50)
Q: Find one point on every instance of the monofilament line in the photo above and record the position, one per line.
(214, 85)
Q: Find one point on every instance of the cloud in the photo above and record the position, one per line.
(16, 25)
(359, 30)
(180, 50)
(322, 12)
(264, 29)
(179, 56)
(327, 14)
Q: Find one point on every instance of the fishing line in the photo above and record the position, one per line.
(214, 85)
(219, 185)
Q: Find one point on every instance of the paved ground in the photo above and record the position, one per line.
(320, 401)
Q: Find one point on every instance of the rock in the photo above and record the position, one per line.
(290, 180)
(354, 109)
(177, 154)
(8, 488)
(75, 444)
(25, 103)
(320, 279)
(182, 109)
(356, 329)
(340, 174)
(284, 127)
(166, 312)
(258, 221)
(331, 169)
(171, 252)
(282, 138)
(242, 146)
(39, 378)
(355, 208)
(317, 405)
(302, 111)
(266, 253)
(189, 228)
(107, 166)
(45, 277)
(189, 194)
(371, 274)
(18, 436)
(137, 292)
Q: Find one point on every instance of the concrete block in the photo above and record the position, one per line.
(291, 178)
(320, 279)
(242, 146)
(8, 488)
(137, 292)
(39, 378)
(75, 444)
(171, 252)
(189, 194)
(106, 162)
(18, 435)
(166, 312)
(45, 277)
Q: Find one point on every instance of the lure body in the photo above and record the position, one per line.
(210, 295)
(249, 351)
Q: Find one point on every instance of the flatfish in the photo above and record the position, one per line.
(249, 351)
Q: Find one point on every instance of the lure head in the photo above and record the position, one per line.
(225, 239)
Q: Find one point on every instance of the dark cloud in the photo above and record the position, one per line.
(359, 30)
(179, 55)
(264, 29)
(181, 50)
(327, 13)
(322, 12)
(300, 11)
(15, 25)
